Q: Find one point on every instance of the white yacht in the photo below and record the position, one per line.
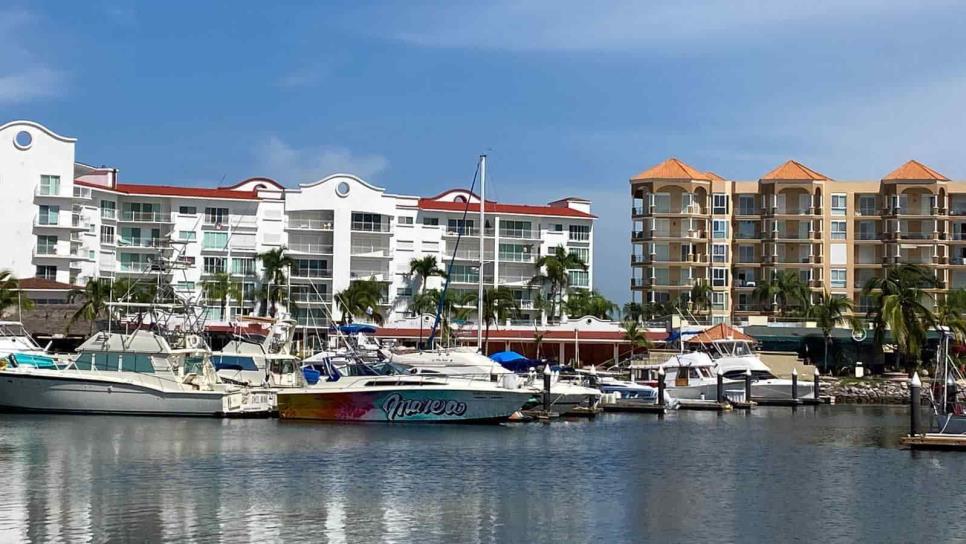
(260, 361)
(358, 392)
(137, 373)
(14, 338)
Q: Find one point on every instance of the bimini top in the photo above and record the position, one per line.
(356, 328)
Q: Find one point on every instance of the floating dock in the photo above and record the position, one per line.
(634, 405)
(934, 441)
(707, 405)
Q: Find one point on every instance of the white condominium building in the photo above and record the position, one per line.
(70, 222)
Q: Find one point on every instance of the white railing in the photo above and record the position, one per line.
(309, 224)
(316, 249)
(140, 217)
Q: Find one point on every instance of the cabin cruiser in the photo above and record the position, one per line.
(14, 339)
(694, 376)
(357, 391)
(260, 361)
(137, 373)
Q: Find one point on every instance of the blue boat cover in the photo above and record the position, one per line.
(506, 356)
(355, 328)
(36, 361)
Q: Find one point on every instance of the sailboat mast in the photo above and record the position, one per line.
(479, 294)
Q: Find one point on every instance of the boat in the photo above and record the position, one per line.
(14, 339)
(263, 361)
(360, 393)
(949, 413)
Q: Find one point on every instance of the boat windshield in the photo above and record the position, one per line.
(116, 362)
(755, 375)
(731, 348)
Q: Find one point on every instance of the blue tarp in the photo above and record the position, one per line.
(506, 356)
(355, 328)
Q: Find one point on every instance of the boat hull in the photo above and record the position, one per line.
(58, 391)
(410, 405)
(759, 390)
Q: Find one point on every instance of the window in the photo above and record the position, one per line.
(47, 272)
(216, 216)
(719, 204)
(746, 205)
(460, 226)
(515, 229)
(463, 273)
(243, 241)
(430, 245)
(719, 277)
(557, 227)
(369, 222)
(746, 254)
(214, 265)
(48, 215)
(310, 268)
(431, 221)
(579, 278)
(839, 204)
(517, 253)
(404, 245)
(719, 253)
(185, 286)
(243, 267)
(662, 202)
(107, 234)
(405, 220)
(215, 240)
(187, 235)
(719, 300)
(867, 205)
(188, 210)
(838, 230)
(46, 245)
(108, 209)
(582, 253)
(720, 229)
(142, 211)
(579, 233)
(134, 262)
(404, 291)
(50, 185)
(838, 278)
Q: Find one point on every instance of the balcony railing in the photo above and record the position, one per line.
(364, 226)
(746, 210)
(321, 273)
(516, 233)
(108, 213)
(369, 251)
(468, 231)
(141, 217)
(309, 224)
(517, 257)
(140, 242)
(866, 211)
(50, 191)
(915, 235)
(314, 249)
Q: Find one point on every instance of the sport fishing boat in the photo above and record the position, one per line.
(137, 373)
(263, 361)
(358, 392)
(948, 411)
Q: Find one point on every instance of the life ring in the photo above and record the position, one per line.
(859, 335)
(193, 341)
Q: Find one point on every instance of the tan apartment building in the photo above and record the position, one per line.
(691, 225)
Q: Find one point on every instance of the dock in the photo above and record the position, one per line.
(634, 406)
(934, 441)
(706, 405)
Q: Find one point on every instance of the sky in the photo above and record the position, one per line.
(568, 98)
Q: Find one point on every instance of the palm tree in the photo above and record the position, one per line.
(10, 293)
(829, 312)
(700, 296)
(581, 302)
(423, 303)
(949, 313)
(221, 288)
(96, 294)
(636, 335)
(538, 337)
(425, 267)
(553, 274)
(897, 304)
(499, 304)
(633, 311)
(785, 289)
(360, 299)
(274, 264)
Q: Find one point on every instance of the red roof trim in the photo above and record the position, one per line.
(519, 209)
(169, 190)
(256, 178)
(496, 335)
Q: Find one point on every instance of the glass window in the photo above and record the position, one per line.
(838, 278)
(719, 277)
(720, 229)
(838, 230)
(582, 253)
(215, 240)
(310, 268)
(431, 221)
(48, 215)
(244, 267)
(579, 233)
(518, 253)
(746, 254)
(719, 203)
(662, 202)
(719, 300)
(579, 278)
(214, 265)
(719, 253)
(188, 210)
(405, 220)
(46, 245)
(187, 235)
(867, 205)
(839, 204)
(47, 272)
(107, 234)
(184, 286)
(557, 227)
(50, 185)
(463, 273)
(369, 222)
(108, 209)
(746, 205)
(216, 216)
(460, 226)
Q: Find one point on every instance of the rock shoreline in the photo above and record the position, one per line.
(853, 391)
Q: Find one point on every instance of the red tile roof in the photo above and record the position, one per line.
(43, 284)
(914, 170)
(714, 176)
(672, 169)
(794, 170)
(170, 190)
(524, 335)
(495, 207)
(719, 332)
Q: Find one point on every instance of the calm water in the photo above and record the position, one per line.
(831, 474)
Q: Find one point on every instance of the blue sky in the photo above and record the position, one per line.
(568, 98)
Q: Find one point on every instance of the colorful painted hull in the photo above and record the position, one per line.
(419, 404)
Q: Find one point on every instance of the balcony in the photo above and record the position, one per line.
(309, 224)
(916, 235)
(747, 210)
(667, 209)
(51, 192)
(50, 251)
(867, 211)
(468, 232)
(467, 255)
(514, 279)
(129, 216)
(310, 249)
(141, 242)
(524, 234)
(638, 283)
(311, 273)
(517, 257)
(369, 251)
(365, 226)
(637, 211)
(748, 235)
(869, 236)
(785, 235)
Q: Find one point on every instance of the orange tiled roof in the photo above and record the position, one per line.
(794, 170)
(914, 170)
(672, 169)
(714, 176)
(719, 332)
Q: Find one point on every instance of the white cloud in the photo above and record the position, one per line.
(573, 25)
(25, 76)
(290, 165)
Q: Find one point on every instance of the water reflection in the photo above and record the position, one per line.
(764, 475)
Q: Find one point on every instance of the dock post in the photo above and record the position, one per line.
(720, 385)
(817, 387)
(915, 387)
(660, 387)
(747, 385)
(546, 388)
(794, 384)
